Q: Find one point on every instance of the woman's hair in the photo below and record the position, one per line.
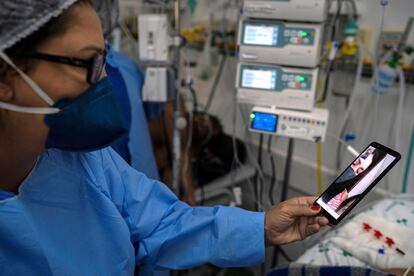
(29, 44)
(338, 187)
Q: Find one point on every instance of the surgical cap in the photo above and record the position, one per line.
(21, 18)
(108, 11)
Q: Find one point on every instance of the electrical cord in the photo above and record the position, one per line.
(319, 178)
(252, 160)
(331, 56)
(408, 270)
(353, 8)
(256, 188)
(236, 160)
(278, 249)
(273, 177)
(215, 83)
(350, 148)
(222, 63)
(352, 100)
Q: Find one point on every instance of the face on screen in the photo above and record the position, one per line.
(354, 181)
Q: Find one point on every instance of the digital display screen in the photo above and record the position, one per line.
(354, 181)
(261, 35)
(264, 121)
(262, 79)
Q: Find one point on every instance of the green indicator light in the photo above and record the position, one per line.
(252, 116)
(300, 78)
(303, 34)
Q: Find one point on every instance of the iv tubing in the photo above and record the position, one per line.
(408, 164)
(400, 109)
(319, 180)
(354, 90)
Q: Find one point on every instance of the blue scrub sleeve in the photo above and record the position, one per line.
(173, 235)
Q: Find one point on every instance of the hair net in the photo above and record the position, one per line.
(108, 11)
(21, 18)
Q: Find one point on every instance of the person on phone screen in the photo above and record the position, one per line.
(337, 196)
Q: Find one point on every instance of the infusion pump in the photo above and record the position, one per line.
(277, 42)
(290, 10)
(272, 85)
(309, 126)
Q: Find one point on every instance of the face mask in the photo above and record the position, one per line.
(88, 122)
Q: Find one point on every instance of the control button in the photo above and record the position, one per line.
(283, 127)
(318, 123)
(306, 40)
(293, 40)
(297, 131)
(291, 77)
(323, 123)
(293, 33)
(308, 121)
(291, 84)
(299, 40)
(287, 33)
(285, 77)
(297, 84)
(303, 85)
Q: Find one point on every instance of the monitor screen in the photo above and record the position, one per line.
(261, 35)
(261, 79)
(264, 121)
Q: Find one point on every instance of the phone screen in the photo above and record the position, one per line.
(359, 176)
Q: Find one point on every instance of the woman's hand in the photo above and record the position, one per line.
(292, 220)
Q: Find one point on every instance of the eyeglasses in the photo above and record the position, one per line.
(94, 65)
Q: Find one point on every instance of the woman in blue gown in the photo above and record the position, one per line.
(69, 205)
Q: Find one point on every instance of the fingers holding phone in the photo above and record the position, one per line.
(356, 181)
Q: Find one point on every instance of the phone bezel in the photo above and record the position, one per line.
(376, 145)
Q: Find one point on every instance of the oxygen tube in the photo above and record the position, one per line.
(408, 164)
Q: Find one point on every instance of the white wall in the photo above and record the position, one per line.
(396, 16)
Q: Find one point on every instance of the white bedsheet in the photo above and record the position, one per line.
(398, 209)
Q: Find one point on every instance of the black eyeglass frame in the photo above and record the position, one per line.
(94, 65)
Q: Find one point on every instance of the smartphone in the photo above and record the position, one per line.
(350, 187)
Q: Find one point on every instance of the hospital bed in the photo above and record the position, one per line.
(325, 257)
(324, 252)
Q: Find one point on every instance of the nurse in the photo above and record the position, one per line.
(69, 205)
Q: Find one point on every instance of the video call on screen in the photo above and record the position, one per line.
(354, 181)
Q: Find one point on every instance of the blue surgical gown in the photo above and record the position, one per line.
(92, 214)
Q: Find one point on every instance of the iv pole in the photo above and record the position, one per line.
(283, 196)
(177, 113)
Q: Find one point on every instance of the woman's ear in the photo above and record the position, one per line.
(6, 92)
